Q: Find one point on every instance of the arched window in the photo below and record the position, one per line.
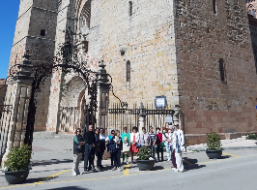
(130, 8)
(84, 18)
(255, 55)
(128, 71)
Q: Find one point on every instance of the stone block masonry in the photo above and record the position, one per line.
(216, 71)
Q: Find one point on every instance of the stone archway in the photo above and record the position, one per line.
(71, 104)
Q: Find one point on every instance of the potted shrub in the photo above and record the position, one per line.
(213, 143)
(144, 160)
(17, 165)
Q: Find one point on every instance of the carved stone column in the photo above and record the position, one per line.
(103, 86)
(19, 90)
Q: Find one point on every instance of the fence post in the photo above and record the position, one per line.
(176, 117)
(142, 115)
(103, 86)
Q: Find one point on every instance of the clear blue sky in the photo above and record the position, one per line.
(9, 13)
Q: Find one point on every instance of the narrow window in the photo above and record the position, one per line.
(214, 6)
(130, 8)
(128, 71)
(42, 32)
(222, 68)
(254, 15)
(255, 55)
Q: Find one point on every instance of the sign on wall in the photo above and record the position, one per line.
(160, 102)
(168, 119)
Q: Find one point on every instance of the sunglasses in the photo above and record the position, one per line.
(79, 131)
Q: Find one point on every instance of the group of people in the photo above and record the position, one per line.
(94, 143)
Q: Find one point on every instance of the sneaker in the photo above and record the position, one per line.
(119, 169)
(127, 163)
(74, 174)
(113, 169)
(175, 169)
(168, 160)
(85, 172)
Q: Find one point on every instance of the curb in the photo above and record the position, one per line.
(224, 148)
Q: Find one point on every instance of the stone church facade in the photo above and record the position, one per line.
(197, 53)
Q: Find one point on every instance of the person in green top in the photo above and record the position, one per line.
(78, 143)
(126, 146)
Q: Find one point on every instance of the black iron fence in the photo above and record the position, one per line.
(119, 118)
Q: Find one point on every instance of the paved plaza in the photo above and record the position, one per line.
(52, 162)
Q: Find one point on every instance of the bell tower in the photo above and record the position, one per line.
(35, 31)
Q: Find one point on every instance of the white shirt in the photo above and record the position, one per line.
(101, 137)
(132, 137)
(181, 137)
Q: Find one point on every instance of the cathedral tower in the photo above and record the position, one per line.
(35, 31)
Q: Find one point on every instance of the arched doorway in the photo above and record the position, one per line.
(72, 104)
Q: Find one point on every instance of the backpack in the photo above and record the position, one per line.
(112, 146)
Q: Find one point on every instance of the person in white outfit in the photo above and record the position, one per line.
(178, 142)
(166, 140)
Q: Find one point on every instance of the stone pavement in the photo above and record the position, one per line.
(238, 143)
(52, 159)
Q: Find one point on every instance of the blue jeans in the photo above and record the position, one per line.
(89, 157)
(99, 158)
(117, 158)
(153, 151)
(167, 150)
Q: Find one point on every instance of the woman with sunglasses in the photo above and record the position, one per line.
(78, 143)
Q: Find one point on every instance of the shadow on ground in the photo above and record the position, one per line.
(157, 168)
(35, 180)
(50, 162)
(69, 188)
(191, 164)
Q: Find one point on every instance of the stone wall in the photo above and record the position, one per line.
(145, 38)
(216, 71)
(188, 50)
(65, 20)
(3, 88)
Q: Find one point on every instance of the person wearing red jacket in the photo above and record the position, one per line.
(158, 143)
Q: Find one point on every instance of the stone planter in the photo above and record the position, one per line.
(214, 153)
(145, 164)
(16, 177)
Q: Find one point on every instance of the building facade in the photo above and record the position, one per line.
(198, 54)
